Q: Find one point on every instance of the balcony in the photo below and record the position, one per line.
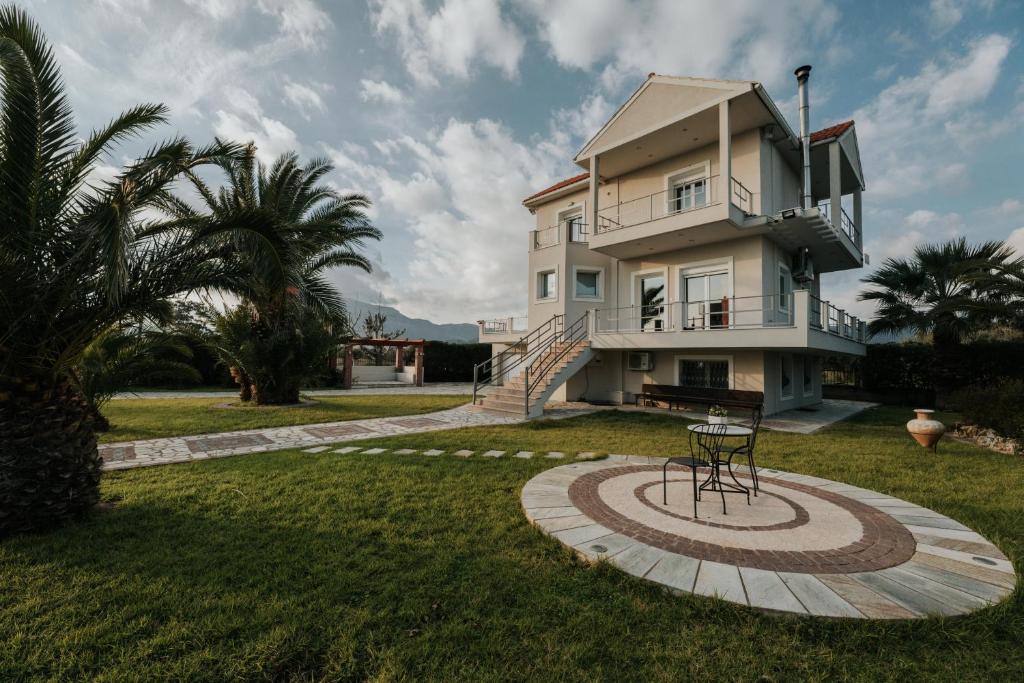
(655, 222)
(502, 330)
(792, 322)
(575, 231)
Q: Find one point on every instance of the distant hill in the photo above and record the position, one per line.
(415, 328)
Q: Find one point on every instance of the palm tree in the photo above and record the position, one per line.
(76, 258)
(313, 229)
(946, 290)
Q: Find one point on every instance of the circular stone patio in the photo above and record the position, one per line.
(804, 545)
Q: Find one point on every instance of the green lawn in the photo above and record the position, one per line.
(326, 567)
(133, 419)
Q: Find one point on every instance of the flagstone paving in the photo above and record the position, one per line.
(804, 545)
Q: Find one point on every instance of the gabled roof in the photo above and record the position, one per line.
(558, 186)
(831, 132)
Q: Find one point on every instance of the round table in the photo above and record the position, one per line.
(730, 430)
(714, 481)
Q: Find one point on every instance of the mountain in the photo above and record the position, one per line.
(415, 328)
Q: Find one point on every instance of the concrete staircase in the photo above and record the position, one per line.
(510, 397)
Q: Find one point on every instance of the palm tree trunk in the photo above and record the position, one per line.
(49, 465)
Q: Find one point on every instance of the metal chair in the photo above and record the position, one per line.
(726, 454)
(709, 441)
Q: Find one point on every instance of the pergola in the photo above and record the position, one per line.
(400, 345)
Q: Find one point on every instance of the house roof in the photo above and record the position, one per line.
(559, 185)
(831, 132)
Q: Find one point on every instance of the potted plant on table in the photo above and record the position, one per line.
(717, 415)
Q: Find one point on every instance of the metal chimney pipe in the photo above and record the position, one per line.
(802, 74)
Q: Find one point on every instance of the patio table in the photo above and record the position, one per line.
(714, 481)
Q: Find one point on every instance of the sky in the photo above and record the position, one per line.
(448, 113)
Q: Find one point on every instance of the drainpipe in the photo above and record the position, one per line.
(802, 74)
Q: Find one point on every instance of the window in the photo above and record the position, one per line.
(547, 285)
(786, 376)
(588, 283)
(808, 376)
(704, 373)
(785, 289)
(574, 227)
(650, 298)
(688, 189)
(706, 297)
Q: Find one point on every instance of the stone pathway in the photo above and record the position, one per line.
(804, 545)
(437, 388)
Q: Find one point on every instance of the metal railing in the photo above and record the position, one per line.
(742, 197)
(828, 318)
(762, 311)
(669, 203)
(546, 237)
(500, 365)
(561, 346)
(505, 325)
(846, 224)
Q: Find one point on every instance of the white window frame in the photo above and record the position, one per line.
(808, 361)
(680, 176)
(635, 277)
(536, 284)
(792, 378)
(784, 297)
(704, 268)
(579, 210)
(600, 283)
(727, 358)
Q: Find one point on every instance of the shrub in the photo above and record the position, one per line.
(998, 406)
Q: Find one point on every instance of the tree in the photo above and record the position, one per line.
(314, 228)
(76, 258)
(944, 290)
(373, 325)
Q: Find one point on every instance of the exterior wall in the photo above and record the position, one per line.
(780, 182)
(773, 400)
(659, 102)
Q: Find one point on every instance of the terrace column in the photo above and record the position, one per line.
(835, 186)
(419, 366)
(347, 368)
(595, 177)
(399, 358)
(857, 215)
(724, 155)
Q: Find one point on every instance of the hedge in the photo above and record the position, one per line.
(448, 362)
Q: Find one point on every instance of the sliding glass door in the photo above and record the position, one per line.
(706, 300)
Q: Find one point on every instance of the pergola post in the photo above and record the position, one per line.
(347, 368)
(399, 358)
(419, 366)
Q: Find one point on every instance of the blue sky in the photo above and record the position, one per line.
(448, 113)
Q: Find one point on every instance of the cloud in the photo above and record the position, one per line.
(246, 122)
(306, 97)
(450, 40)
(739, 38)
(379, 91)
(942, 15)
(1016, 240)
(902, 153)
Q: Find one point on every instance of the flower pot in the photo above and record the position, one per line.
(717, 420)
(925, 430)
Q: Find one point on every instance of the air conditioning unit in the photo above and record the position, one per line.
(803, 267)
(640, 361)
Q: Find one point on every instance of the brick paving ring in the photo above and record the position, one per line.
(804, 545)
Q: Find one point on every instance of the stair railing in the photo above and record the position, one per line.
(569, 339)
(500, 364)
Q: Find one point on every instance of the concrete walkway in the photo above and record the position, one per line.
(436, 389)
(799, 421)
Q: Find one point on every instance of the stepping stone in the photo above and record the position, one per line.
(585, 455)
(526, 455)
(493, 454)
(375, 451)
(405, 451)
(315, 449)
(347, 449)
(463, 453)
(555, 454)
(433, 452)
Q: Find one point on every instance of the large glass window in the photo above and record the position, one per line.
(706, 298)
(588, 284)
(547, 285)
(785, 288)
(689, 193)
(786, 375)
(652, 302)
(704, 373)
(575, 229)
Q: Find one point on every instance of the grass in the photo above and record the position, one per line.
(392, 568)
(133, 419)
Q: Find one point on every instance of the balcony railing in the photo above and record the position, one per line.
(546, 237)
(573, 231)
(828, 318)
(670, 203)
(505, 326)
(845, 224)
(743, 312)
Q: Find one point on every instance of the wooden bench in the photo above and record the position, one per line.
(676, 396)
